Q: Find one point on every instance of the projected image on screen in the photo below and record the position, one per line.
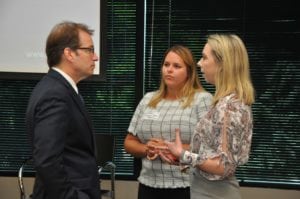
(26, 24)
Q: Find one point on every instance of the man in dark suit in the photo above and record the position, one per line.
(57, 121)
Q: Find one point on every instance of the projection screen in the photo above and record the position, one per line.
(26, 24)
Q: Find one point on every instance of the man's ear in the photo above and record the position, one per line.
(69, 54)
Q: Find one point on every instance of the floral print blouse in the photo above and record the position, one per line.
(226, 132)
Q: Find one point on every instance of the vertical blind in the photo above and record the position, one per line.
(112, 102)
(271, 40)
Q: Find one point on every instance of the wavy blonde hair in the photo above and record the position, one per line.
(233, 75)
(191, 85)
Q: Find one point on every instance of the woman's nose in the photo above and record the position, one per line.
(170, 68)
(199, 63)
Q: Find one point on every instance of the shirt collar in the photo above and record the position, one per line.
(67, 77)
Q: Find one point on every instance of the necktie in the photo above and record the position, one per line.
(81, 98)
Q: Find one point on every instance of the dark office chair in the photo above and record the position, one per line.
(26, 164)
(105, 145)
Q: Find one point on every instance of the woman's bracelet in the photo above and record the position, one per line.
(189, 158)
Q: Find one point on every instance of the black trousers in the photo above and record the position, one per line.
(146, 192)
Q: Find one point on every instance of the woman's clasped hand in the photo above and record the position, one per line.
(158, 148)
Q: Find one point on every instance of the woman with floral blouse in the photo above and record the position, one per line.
(222, 137)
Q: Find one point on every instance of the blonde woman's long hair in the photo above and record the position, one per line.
(233, 73)
(192, 83)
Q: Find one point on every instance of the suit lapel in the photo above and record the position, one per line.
(76, 99)
(87, 117)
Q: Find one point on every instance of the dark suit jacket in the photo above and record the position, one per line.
(62, 141)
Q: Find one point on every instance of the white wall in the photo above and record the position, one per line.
(128, 190)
